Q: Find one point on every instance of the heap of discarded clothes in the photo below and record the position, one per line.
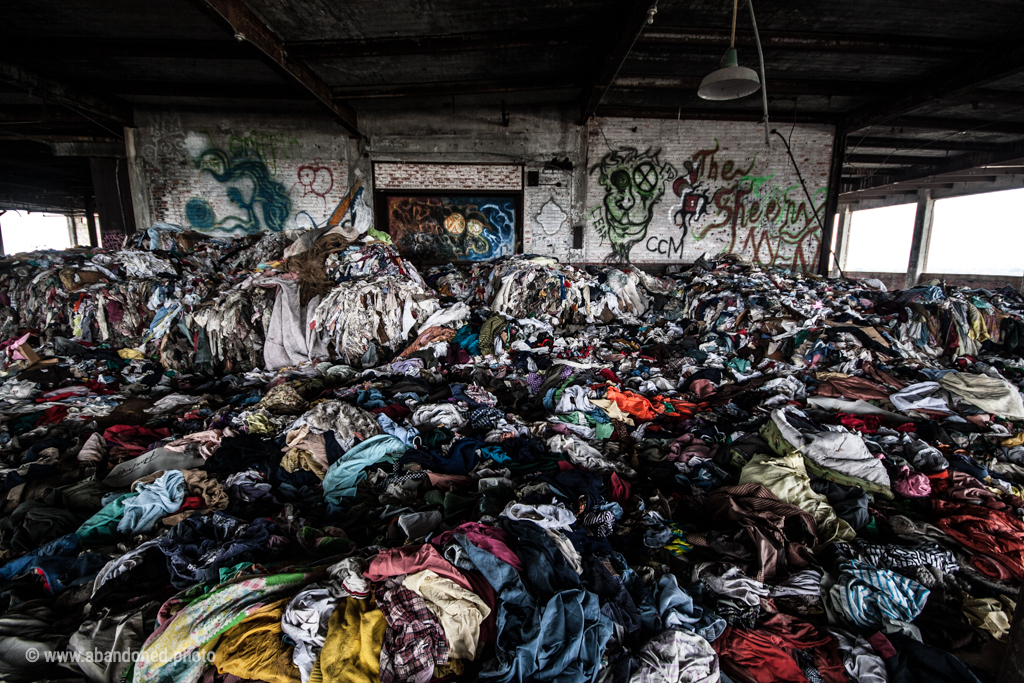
(296, 458)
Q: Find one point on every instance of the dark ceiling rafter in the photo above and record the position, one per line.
(74, 47)
(87, 105)
(890, 159)
(1009, 152)
(250, 91)
(631, 23)
(453, 87)
(388, 46)
(813, 42)
(954, 126)
(913, 144)
(1006, 59)
(827, 88)
(248, 26)
(712, 114)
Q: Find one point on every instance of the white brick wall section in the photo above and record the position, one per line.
(454, 177)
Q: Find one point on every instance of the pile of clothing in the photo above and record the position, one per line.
(294, 458)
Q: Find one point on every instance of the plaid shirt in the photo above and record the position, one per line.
(414, 641)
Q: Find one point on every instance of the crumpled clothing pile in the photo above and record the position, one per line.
(518, 470)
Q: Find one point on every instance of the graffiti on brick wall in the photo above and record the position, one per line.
(259, 201)
(633, 183)
(768, 220)
(440, 228)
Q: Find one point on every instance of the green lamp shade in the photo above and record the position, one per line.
(730, 82)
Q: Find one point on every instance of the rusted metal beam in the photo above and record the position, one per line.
(89, 105)
(248, 26)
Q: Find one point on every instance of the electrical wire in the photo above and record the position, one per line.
(810, 202)
(760, 59)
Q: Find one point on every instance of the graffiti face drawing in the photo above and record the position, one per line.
(634, 183)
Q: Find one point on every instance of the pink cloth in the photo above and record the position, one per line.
(410, 559)
(703, 387)
(489, 538)
(910, 484)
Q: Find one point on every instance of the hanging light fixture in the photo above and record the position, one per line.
(730, 81)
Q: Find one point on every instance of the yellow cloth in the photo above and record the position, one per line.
(1015, 440)
(613, 410)
(460, 611)
(253, 649)
(130, 354)
(786, 477)
(351, 652)
(990, 615)
(299, 459)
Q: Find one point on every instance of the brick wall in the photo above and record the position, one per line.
(458, 177)
(663, 191)
(237, 173)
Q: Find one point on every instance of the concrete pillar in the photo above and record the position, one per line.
(138, 187)
(922, 237)
(90, 220)
(842, 240)
(72, 231)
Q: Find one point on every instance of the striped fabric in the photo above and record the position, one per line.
(875, 598)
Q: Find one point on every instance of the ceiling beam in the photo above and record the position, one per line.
(992, 96)
(446, 88)
(1006, 59)
(959, 125)
(629, 23)
(914, 144)
(1011, 151)
(387, 46)
(79, 48)
(231, 91)
(248, 26)
(775, 87)
(86, 104)
(708, 114)
(889, 159)
(813, 42)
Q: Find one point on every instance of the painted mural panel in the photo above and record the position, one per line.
(242, 176)
(669, 191)
(433, 228)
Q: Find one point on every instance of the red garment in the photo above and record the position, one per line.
(633, 404)
(53, 415)
(882, 645)
(483, 589)
(489, 538)
(396, 411)
(619, 490)
(133, 439)
(766, 654)
(192, 503)
(410, 559)
(995, 537)
(610, 376)
(865, 424)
